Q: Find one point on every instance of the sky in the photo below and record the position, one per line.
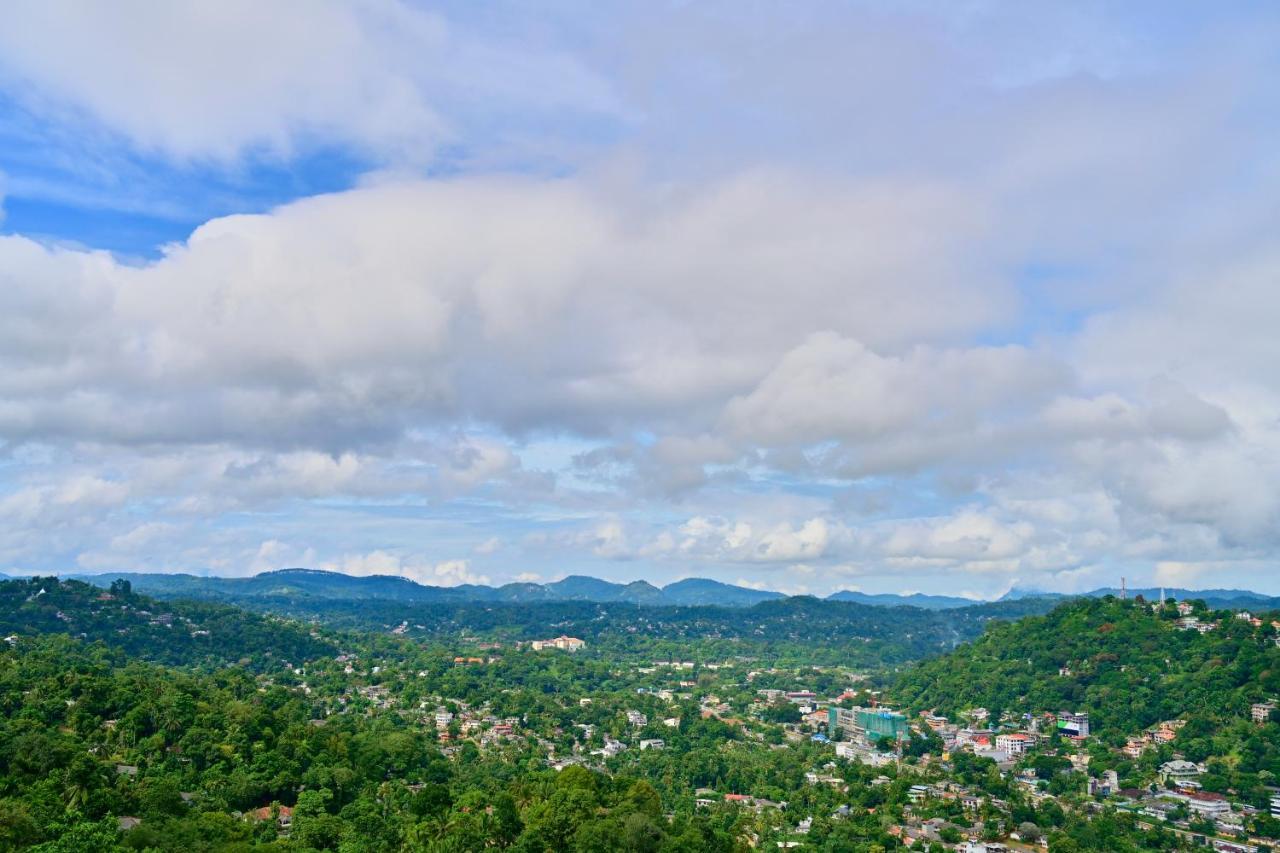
(939, 297)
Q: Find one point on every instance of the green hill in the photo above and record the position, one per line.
(1128, 665)
(172, 632)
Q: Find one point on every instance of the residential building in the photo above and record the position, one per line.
(1261, 712)
(1073, 725)
(1015, 743)
(652, 743)
(1178, 770)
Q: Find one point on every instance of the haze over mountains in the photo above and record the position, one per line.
(316, 583)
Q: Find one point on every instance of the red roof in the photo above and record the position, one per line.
(264, 813)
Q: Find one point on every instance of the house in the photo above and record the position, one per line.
(128, 823)
(283, 815)
(1105, 786)
(652, 743)
(1261, 712)
(636, 718)
(919, 792)
(1178, 770)
(1134, 747)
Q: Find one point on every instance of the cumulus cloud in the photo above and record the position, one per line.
(387, 77)
(995, 340)
(380, 562)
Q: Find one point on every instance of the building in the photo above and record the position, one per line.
(636, 718)
(1275, 807)
(1105, 786)
(568, 644)
(1208, 804)
(1015, 743)
(916, 793)
(1073, 725)
(1179, 771)
(1261, 712)
(652, 743)
(869, 723)
(443, 719)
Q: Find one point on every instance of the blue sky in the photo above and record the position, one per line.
(835, 295)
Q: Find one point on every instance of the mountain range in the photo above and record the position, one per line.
(317, 583)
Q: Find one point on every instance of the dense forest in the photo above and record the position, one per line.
(800, 627)
(128, 723)
(180, 632)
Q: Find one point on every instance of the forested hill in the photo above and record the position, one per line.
(171, 632)
(1127, 663)
(826, 631)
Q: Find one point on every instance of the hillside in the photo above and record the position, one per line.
(1126, 663)
(171, 632)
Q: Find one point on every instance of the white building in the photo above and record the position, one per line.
(1015, 743)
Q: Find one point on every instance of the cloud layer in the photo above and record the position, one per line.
(912, 303)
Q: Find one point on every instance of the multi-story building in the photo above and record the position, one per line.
(869, 723)
(1207, 804)
(1073, 725)
(1015, 743)
(568, 644)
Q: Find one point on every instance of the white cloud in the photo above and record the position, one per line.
(489, 546)
(996, 340)
(381, 562)
(197, 81)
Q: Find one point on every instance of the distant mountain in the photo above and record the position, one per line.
(1227, 599)
(926, 602)
(702, 591)
(316, 583)
(320, 584)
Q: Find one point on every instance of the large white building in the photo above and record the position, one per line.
(568, 644)
(1015, 743)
